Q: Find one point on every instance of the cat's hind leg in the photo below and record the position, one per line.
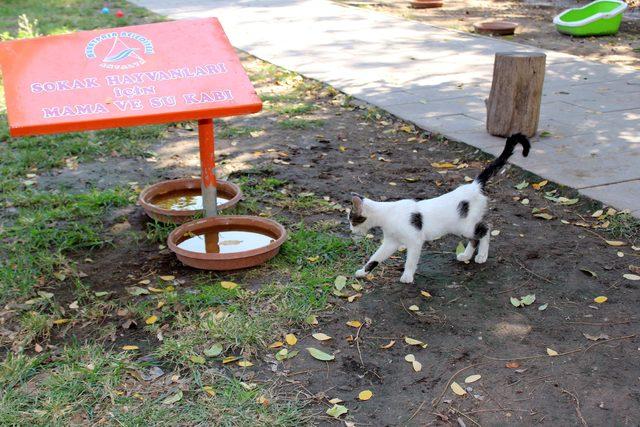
(483, 235)
(386, 249)
(468, 252)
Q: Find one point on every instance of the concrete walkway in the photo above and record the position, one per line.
(439, 78)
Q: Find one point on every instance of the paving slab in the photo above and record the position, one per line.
(439, 78)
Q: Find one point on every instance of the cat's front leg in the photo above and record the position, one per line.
(411, 264)
(385, 250)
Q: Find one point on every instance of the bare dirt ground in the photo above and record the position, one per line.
(469, 323)
(535, 25)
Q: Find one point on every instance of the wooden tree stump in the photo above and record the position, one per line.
(516, 92)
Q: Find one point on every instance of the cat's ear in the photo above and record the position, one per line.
(356, 200)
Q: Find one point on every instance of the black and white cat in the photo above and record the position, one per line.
(410, 223)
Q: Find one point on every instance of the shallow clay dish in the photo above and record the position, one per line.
(227, 261)
(226, 189)
(426, 4)
(496, 28)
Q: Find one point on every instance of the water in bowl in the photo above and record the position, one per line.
(183, 200)
(225, 242)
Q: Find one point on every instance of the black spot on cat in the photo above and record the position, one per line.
(416, 220)
(370, 266)
(480, 230)
(463, 209)
(355, 219)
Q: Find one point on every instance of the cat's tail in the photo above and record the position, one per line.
(498, 163)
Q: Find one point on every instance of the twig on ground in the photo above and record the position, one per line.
(575, 397)
(466, 416)
(513, 289)
(416, 411)
(622, 322)
(436, 401)
(533, 273)
(477, 411)
(357, 340)
(577, 350)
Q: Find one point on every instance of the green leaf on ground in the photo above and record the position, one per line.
(320, 355)
(337, 410)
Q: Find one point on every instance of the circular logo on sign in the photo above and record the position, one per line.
(119, 50)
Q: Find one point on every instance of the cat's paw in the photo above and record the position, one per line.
(463, 257)
(361, 273)
(481, 258)
(406, 278)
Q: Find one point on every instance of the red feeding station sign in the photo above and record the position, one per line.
(130, 76)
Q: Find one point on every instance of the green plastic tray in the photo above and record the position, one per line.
(598, 18)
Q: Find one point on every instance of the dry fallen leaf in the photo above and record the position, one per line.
(276, 344)
(209, 390)
(229, 359)
(410, 358)
(291, 339)
(600, 299)
(632, 277)
(425, 294)
(472, 378)
(615, 243)
(167, 278)
(412, 341)
(321, 337)
(457, 389)
(335, 401)
(414, 308)
(512, 365)
(228, 285)
(388, 345)
(354, 323)
(597, 213)
(539, 185)
(365, 395)
(596, 337)
(129, 347)
(245, 363)
(417, 366)
(151, 320)
(551, 352)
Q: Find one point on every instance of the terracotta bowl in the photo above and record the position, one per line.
(228, 261)
(426, 4)
(496, 28)
(226, 189)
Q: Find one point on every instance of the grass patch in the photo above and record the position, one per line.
(45, 227)
(64, 16)
(300, 124)
(625, 226)
(227, 131)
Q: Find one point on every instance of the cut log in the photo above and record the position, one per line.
(516, 92)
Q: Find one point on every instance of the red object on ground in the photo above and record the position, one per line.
(119, 14)
(426, 4)
(129, 76)
(498, 28)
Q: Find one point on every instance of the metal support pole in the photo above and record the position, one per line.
(208, 168)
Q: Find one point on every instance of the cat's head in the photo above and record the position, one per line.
(358, 222)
